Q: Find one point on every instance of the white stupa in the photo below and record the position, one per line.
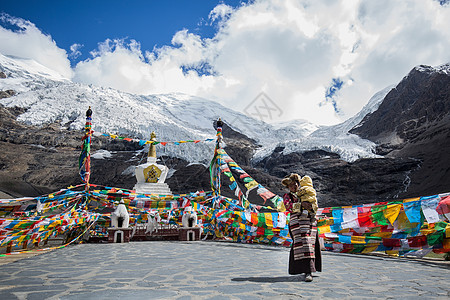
(151, 176)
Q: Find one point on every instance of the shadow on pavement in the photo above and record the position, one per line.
(270, 279)
(423, 261)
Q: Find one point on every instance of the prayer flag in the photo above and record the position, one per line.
(412, 210)
(350, 218)
(377, 214)
(391, 212)
(429, 206)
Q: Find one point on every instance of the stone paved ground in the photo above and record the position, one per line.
(212, 270)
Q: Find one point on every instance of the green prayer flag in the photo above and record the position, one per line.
(261, 220)
(435, 238)
(378, 215)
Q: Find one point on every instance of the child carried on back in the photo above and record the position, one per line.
(307, 193)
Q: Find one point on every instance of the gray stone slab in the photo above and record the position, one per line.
(22, 281)
(7, 295)
(123, 294)
(37, 288)
(42, 295)
(147, 284)
(246, 297)
(211, 270)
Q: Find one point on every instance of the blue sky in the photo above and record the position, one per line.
(152, 23)
(319, 61)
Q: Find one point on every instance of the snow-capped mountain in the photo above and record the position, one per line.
(40, 114)
(48, 98)
(335, 139)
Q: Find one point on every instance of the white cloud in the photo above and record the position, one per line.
(123, 66)
(290, 50)
(29, 42)
(75, 51)
(220, 12)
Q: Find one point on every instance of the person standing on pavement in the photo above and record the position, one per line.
(305, 256)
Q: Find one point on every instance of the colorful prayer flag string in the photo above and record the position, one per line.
(145, 142)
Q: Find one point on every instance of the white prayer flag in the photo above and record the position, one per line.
(429, 209)
(350, 218)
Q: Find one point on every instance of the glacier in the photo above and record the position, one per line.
(48, 98)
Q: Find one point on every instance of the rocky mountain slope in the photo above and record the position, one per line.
(414, 121)
(37, 157)
(411, 130)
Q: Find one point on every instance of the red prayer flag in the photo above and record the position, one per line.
(364, 217)
(391, 242)
(347, 248)
(260, 231)
(326, 210)
(417, 241)
(444, 206)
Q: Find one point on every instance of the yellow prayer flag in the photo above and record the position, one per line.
(427, 231)
(392, 252)
(281, 207)
(324, 229)
(411, 199)
(356, 239)
(383, 234)
(251, 184)
(403, 221)
(369, 249)
(268, 217)
(391, 212)
(246, 204)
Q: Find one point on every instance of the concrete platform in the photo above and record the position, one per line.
(213, 270)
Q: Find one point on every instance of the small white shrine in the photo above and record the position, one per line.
(151, 176)
(120, 232)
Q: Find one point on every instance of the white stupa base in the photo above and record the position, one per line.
(153, 188)
(145, 187)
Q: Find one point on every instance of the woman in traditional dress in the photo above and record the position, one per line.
(305, 256)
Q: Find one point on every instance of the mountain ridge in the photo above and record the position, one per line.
(171, 116)
(45, 117)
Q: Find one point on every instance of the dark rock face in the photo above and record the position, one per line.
(341, 183)
(4, 94)
(414, 122)
(39, 160)
(7, 93)
(189, 178)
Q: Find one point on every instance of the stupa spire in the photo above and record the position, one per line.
(152, 150)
